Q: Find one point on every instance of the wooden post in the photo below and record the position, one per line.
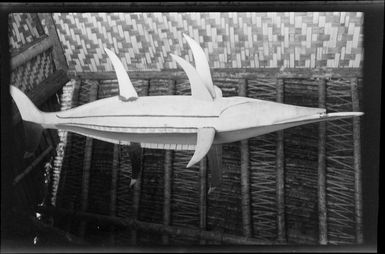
(357, 161)
(38, 47)
(138, 184)
(87, 166)
(57, 52)
(245, 176)
(114, 180)
(280, 173)
(322, 210)
(167, 192)
(167, 178)
(203, 196)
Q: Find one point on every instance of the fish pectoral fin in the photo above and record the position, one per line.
(126, 89)
(215, 165)
(205, 138)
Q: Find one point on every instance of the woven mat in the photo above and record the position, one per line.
(231, 40)
(24, 28)
(33, 72)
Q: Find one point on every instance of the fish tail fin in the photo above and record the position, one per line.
(32, 118)
(28, 111)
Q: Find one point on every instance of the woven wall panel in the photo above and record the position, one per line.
(262, 158)
(340, 172)
(301, 158)
(24, 28)
(185, 194)
(100, 177)
(224, 204)
(231, 40)
(28, 75)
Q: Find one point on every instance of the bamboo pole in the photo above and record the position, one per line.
(138, 184)
(87, 166)
(245, 176)
(57, 52)
(167, 178)
(322, 210)
(280, 173)
(203, 196)
(357, 161)
(227, 73)
(26, 171)
(38, 47)
(159, 228)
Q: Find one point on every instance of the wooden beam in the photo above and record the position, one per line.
(203, 196)
(159, 228)
(228, 73)
(57, 52)
(36, 48)
(245, 176)
(280, 173)
(26, 171)
(322, 209)
(168, 177)
(53, 231)
(87, 161)
(44, 90)
(48, 87)
(357, 161)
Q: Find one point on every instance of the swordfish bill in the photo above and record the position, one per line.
(200, 122)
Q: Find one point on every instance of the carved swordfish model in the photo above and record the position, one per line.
(200, 122)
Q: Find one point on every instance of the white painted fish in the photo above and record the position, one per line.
(200, 122)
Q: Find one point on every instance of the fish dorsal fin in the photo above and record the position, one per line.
(126, 89)
(205, 138)
(201, 64)
(198, 89)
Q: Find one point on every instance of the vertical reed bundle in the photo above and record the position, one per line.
(322, 209)
(245, 176)
(280, 172)
(357, 161)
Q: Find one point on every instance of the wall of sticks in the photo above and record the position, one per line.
(294, 186)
